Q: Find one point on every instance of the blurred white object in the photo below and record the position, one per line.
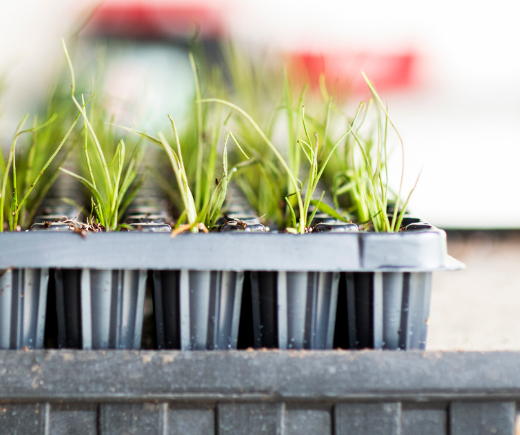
(143, 82)
(30, 33)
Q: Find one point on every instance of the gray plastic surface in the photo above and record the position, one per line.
(197, 310)
(100, 309)
(198, 284)
(349, 252)
(294, 310)
(388, 310)
(23, 299)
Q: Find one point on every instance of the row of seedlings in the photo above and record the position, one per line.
(200, 310)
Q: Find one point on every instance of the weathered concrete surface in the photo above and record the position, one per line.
(246, 375)
(271, 392)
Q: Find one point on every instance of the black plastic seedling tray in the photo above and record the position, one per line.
(335, 286)
(295, 281)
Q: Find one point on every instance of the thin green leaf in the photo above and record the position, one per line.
(238, 145)
(329, 210)
(141, 133)
(49, 161)
(6, 175)
(311, 217)
(266, 140)
(291, 210)
(95, 192)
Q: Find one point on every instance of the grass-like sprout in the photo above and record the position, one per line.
(198, 140)
(197, 218)
(365, 173)
(201, 134)
(269, 185)
(200, 196)
(109, 183)
(360, 170)
(254, 84)
(19, 198)
(311, 150)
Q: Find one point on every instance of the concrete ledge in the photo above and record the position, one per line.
(250, 375)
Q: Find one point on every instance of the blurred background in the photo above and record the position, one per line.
(449, 72)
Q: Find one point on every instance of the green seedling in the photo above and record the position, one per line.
(111, 184)
(310, 150)
(364, 177)
(197, 218)
(198, 140)
(19, 198)
(268, 185)
(199, 195)
(255, 86)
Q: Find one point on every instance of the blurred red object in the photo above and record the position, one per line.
(342, 71)
(154, 20)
